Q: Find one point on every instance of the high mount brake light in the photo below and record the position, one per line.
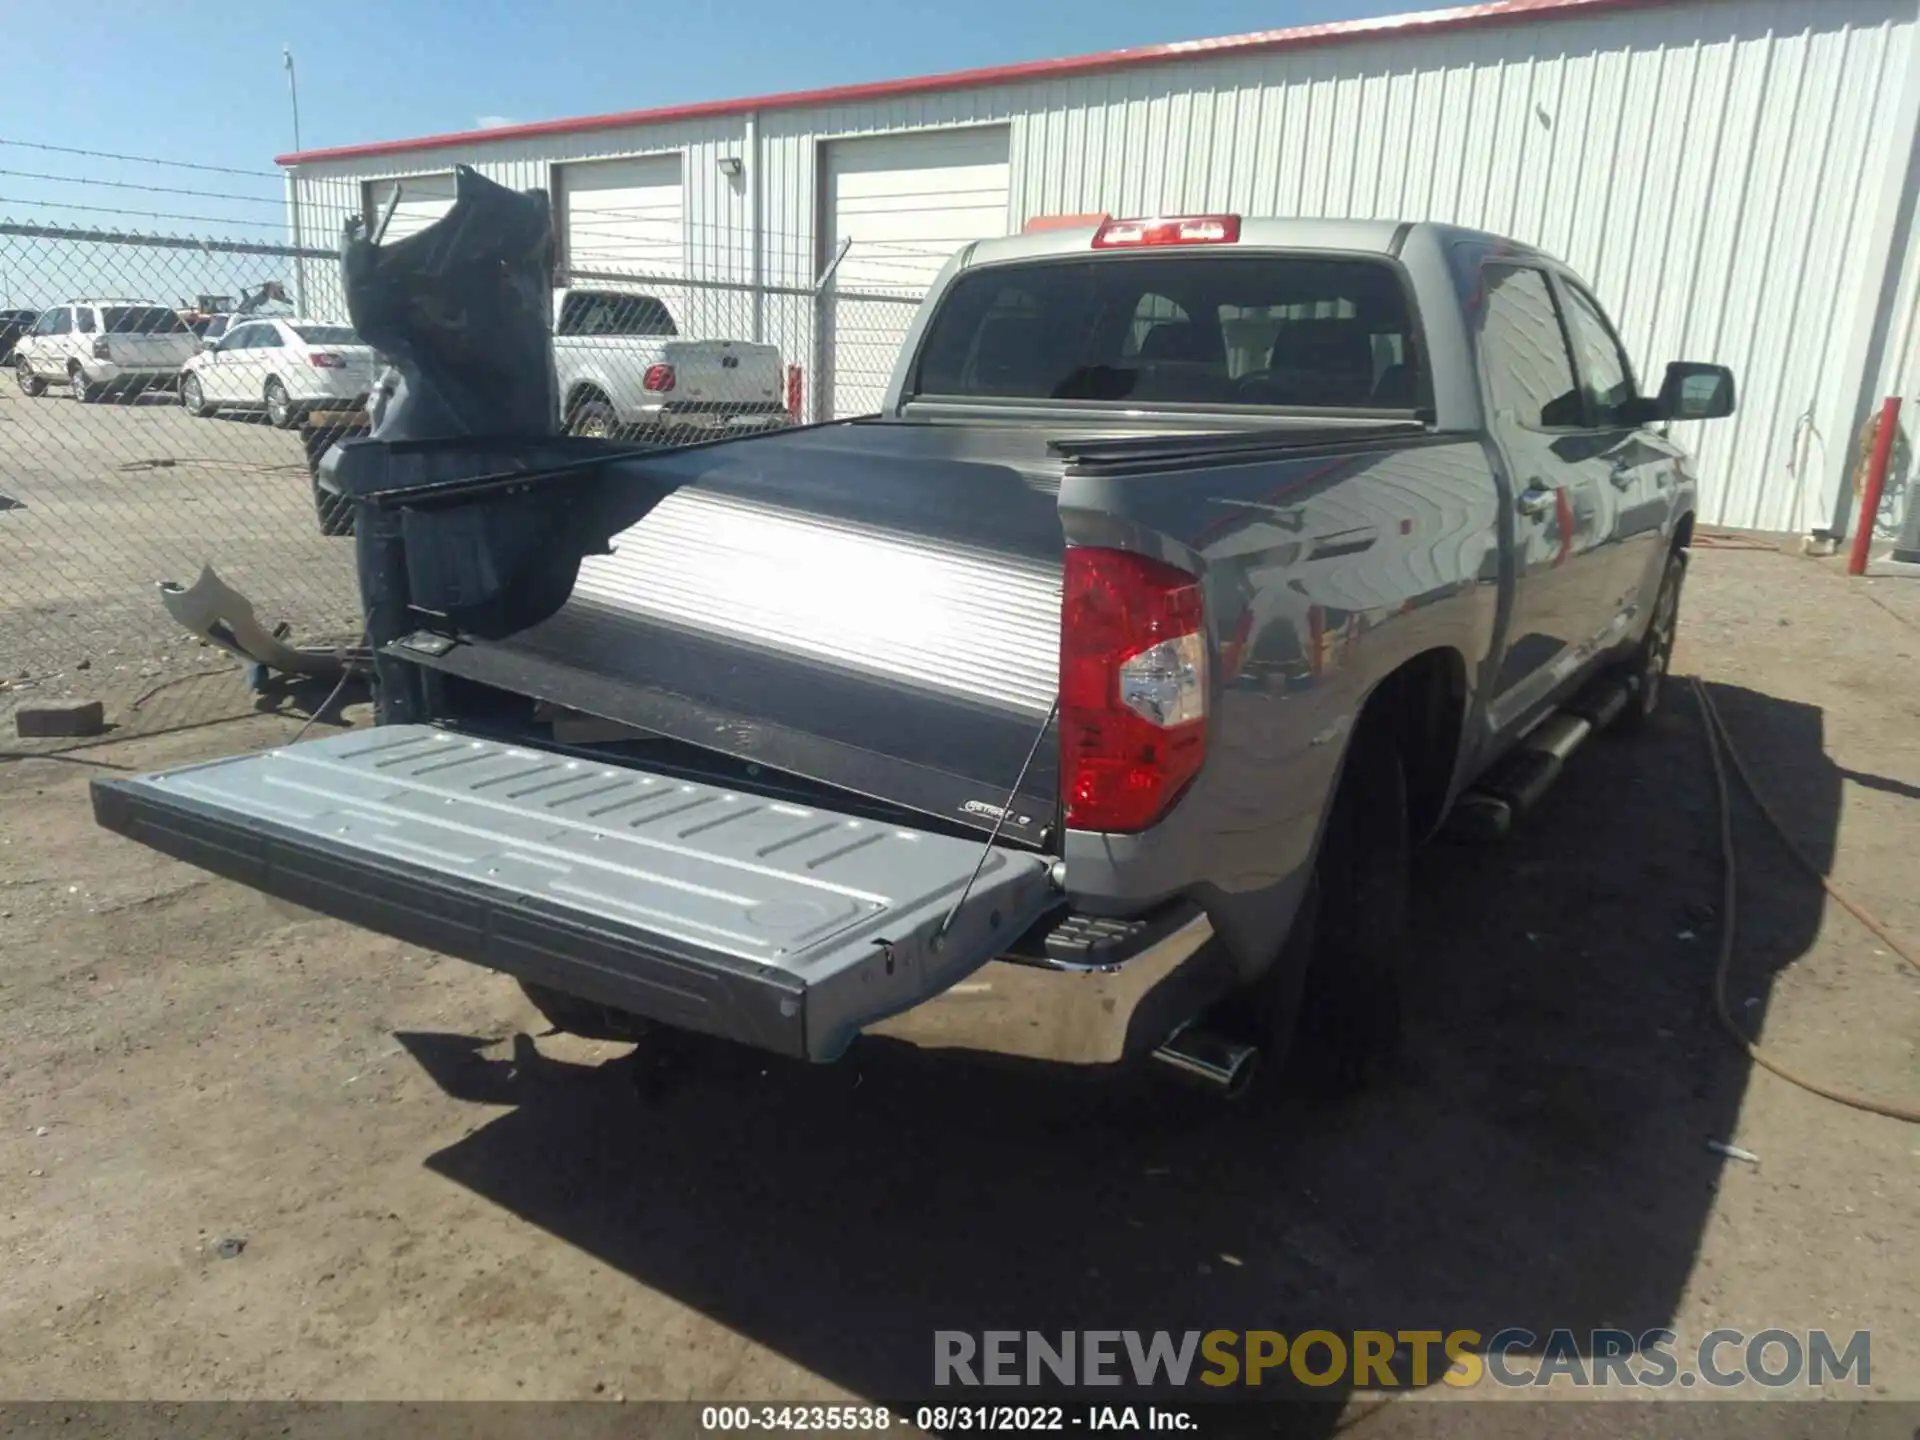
(1040, 224)
(1133, 688)
(1171, 230)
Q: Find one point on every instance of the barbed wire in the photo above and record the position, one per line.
(146, 214)
(278, 200)
(138, 159)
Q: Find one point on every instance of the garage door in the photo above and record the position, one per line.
(423, 200)
(625, 216)
(906, 202)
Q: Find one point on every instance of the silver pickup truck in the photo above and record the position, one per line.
(1196, 570)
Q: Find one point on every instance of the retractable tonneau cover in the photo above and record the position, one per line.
(875, 607)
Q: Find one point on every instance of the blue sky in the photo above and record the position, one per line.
(201, 81)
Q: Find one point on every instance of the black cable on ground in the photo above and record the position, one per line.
(7, 756)
(1717, 739)
(325, 705)
(352, 655)
(65, 752)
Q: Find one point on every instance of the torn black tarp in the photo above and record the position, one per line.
(463, 313)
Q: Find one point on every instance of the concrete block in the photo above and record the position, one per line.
(44, 719)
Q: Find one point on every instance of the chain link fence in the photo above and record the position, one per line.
(169, 395)
(110, 488)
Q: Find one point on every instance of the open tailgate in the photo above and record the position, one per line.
(782, 926)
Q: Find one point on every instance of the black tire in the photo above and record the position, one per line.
(83, 391)
(1346, 1030)
(1647, 670)
(593, 418)
(585, 1018)
(281, 413)
(193, 398)
(30, 384)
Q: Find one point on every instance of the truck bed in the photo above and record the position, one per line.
(876, 608)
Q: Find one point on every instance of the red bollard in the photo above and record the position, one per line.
(795, 393)
(1875, 486)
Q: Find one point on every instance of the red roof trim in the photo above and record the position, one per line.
(1424, 22)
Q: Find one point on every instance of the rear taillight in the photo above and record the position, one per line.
(1133, 688)
(322, 361)
(101, 350)
(659, 379)
(1173, 230)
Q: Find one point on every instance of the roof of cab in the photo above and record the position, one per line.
(1377, 237)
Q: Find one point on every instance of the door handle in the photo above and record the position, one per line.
(1534, 501)
(1621, 475)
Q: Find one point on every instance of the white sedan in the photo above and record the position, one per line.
(284, 367)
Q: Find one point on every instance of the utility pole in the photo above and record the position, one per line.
(293, 187)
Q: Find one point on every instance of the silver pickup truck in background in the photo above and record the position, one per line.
(1196, 570)
(624, 370)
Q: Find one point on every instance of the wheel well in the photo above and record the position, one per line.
(1421, 707)
(581, 394)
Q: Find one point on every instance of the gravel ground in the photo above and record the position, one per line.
(435, 1205)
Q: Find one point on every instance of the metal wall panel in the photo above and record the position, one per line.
(408, 206)
(1712, 168)
(626, 214)
(895, 208)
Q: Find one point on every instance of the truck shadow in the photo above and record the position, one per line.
(1542, 1161)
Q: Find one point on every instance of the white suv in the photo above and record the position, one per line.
(96, 346)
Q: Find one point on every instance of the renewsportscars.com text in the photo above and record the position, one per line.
(1387, 1359)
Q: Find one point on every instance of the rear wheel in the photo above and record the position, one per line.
(1655, 651)
(84, 390)
(592, 418)
(23, 376)
(280, 409)
(192, 399)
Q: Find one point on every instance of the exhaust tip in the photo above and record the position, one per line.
(1213, 1062)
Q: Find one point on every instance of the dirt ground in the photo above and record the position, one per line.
(99, 503)
(426, 1215)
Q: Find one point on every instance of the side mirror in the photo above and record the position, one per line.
(1696, 392)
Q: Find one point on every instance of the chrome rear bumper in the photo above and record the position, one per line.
(1097, 1015)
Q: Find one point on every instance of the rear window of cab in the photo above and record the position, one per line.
(1214, 330)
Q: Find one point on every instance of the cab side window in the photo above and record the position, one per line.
(1606, 373)
(83, 320)
(1523, 351)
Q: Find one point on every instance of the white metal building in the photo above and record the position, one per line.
(1736, 178)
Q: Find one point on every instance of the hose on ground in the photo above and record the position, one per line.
(1720, 749)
